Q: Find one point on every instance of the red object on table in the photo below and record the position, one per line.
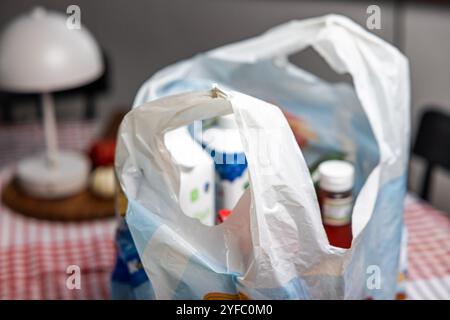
(102, 152)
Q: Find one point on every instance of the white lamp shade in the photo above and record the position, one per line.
(39, 53)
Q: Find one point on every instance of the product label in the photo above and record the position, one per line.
(337, 212)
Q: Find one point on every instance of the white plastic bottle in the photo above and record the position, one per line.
(224, 144)
(197, 195)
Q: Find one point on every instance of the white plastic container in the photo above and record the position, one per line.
(336, 179)
(224, 144)
(197, 195)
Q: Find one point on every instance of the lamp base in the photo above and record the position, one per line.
(67, 177)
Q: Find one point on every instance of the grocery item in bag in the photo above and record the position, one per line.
(223, 143)
(197, 184)
(336, 200)
(128, 280)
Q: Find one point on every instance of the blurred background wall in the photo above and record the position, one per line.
(142, 36)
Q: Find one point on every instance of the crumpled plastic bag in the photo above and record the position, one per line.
(274, 246)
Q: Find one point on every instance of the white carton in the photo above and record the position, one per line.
(197, 193)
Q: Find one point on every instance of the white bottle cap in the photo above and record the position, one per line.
(336, 176)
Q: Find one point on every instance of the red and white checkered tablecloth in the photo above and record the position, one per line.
(428, 251)
(35, 254)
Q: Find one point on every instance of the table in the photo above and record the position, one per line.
(35, 254)
(428, 251)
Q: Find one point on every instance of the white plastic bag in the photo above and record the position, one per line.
(274, 245)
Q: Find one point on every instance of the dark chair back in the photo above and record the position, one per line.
(433, 144)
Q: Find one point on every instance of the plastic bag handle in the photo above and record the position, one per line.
(380, 75)
(143, 121)
(346, 47)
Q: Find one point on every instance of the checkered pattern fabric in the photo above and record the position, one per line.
(428, 251)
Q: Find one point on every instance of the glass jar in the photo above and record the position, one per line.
(336, 180)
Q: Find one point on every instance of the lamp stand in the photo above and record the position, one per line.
(51, 139)
(54, 174)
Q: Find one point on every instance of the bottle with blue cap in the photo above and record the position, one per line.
(224, 144)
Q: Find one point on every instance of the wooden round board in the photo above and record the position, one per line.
(82, 206)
